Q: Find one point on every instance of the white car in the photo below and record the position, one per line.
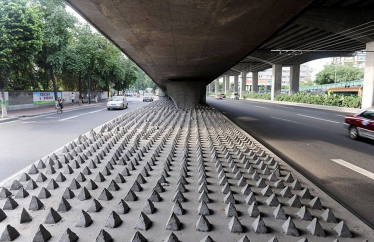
(117, 102)
(235, 96)
(147, 97)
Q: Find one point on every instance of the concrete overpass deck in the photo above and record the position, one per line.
(165, 174)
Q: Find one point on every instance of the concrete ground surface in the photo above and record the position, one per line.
(315, 143)
(159, 170)
(27, 139)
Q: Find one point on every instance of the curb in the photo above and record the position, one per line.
(8, 120)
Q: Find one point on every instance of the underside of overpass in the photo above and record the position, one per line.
(185, 45)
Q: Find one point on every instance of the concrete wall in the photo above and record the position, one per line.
(186, 94)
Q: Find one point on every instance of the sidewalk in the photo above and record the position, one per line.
(15, 114)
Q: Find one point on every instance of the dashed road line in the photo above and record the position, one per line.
(327, 120)
(287, 120)
(259, 106)
(354, 168)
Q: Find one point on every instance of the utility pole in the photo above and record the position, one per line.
(89, 88)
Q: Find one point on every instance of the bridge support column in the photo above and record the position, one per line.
(227, 84)
(276, 85)
(236, 83)
(243, 84)
(294, 79)
(368, 87)
(254, 81)
(216, 89)
(186, 94)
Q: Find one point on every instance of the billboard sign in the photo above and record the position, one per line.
(6, 101)
(43, 98)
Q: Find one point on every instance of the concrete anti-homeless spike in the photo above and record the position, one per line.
(272, 201)
(122, 207)
(91, 185)
(229, 198)
(22, 193)
(131, 196)
(328, 216)
(267, 192)
(235, 226)
(305, 194)
(253, 210)
(203, 209)
(207, 239)
(53, 217)
(274, 239)
(99, 177)
(261, 183)
(286, 192)
(304, 214)
(25, 217)
(136, 187)
(296, 185)
(64, 205)
(84, 220)
(315, 228)
(33, 170)
(155, 197)
(68, 194)
(74, 184)
(177, 208)
(138, 237)
(69, 236)
(104, 237)
(44, 193)
(113, 221)
(60, 177)
(42, 235)
(52, 185)
(244, 239)
(35, 204)
(10, 204)
(279, 213)
(259, 226)
(179, 197)
(84, 194)
(295, 202)
(2, 215)
(279, 184)
(246, 190)
(143, 222)
(230, 210)
(171, 238)
(24, 177)
(289, 228)
(149, 207)
(173, 222)
(303, 240)
(289, 178)
(315, 203)
(342, 230)
(203, 224)
(31, 185)
(113, 186)
(9, 234)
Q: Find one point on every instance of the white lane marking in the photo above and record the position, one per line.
(354, 168)
(284, 107)
(29, 122)
(331, 121)
(287, 120)
(259, 106)
(340, 115)
(97, 111)
(9, 122)
(80, 115)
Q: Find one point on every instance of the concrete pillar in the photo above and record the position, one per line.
(294, 79)
(368, 87)
(217, 85)
(227, 84)
(276, 85)
(236, 83)
(255, 81)
(243, 83)
(186, 94)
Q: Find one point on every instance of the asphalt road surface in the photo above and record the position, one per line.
(24, 141)
(315, 143)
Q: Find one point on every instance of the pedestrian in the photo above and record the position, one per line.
(72, 97)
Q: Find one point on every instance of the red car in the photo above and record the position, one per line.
(360, 124)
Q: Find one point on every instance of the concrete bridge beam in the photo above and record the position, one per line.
(368, 87)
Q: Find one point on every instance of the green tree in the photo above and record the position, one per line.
(20, 39)
(307, 82)
(339, 73)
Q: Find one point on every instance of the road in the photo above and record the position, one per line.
(313, 142)
(24, 141)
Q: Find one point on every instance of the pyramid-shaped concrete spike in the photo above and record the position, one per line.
(106, 171)
(296, 185)
(303, 240)
(64, 205)
(9, 234)
(155, 197)
(230, 210)
(10, 204)
(289, 178)
(16, 185)
(2, 215)
(171, 238)
(60, 177)
(173, 222)
(143, 222)
(75, 165)
(286, 192)
(183, 180)
(279, 213)
(92, 165)
(52, 185)
(203, 209)
(35, 204)
(177, 208)
(91, 185)
(86, 171)
(315, 203)
(24, 177)
(294, 202)
(203, 187)
(131, 196)
(119, 178)
(113, 221)
(289, 228)
(259, 226)
(113, 186)
(104, 237)
(68, 170)
(100, 177)
(44, 193)
(315, 228)
(122, 207)
(42, 235)
(58, 164)
(229, 198)
(74, 184)
(50, 170)
(244, 239)
(328, 216)
(140, 179)
(138, 237)
(279, 184)
(69, 236)
(22, 193)
(149, 207)
(136, 187)
(68, 194)
(342, 230)
(274, 239)
(84, 220)
(242, 182)
(305, 194)
(181, 187)
(33, 170)
(159, 188)
(235, 226)
(203, 224)
(250, 199)
(207, 239)
(25, 217)
(84, 194)
(81, 177)
(267, 191)
(304, 214)
(246, 190)
(223, 181)
(261, 183)
(94, 207)
(53, 217)
(179, 197)
(253, 210)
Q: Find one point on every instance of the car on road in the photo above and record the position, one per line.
(218, 96)
(235, 96)
(223, 95)
(117, 102)
(147, 97)
(360, 124)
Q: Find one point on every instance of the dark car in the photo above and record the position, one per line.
(360, 124)
(223, 95)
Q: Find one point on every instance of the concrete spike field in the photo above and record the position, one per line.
(165, 174)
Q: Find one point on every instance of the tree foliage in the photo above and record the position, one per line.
(343, 73)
